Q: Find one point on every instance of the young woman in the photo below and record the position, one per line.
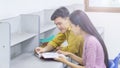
(94, 51)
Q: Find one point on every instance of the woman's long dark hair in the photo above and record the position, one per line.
(78, 17)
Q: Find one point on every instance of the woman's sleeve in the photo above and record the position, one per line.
(90, 54)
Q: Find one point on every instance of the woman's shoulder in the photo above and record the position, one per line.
(92, 40)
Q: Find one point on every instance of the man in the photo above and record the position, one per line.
(75, 43)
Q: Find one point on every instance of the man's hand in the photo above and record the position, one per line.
(58, 48)
(39, 50)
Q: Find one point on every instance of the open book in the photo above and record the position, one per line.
(49, 55)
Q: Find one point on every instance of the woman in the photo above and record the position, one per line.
(94, 51)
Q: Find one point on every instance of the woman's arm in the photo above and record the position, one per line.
(76, 58)
(72, 65)
(73, 56)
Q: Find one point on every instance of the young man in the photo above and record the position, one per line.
(75, 43)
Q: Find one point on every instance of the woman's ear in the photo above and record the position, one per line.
(67, 18)
(78, 27)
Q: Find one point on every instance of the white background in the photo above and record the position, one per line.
(110, 21)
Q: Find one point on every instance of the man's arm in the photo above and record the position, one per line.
(75, 46)
(57, 41)
(48, 48)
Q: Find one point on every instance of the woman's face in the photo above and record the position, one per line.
(76, 29)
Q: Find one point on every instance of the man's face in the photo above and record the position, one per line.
(61, 23)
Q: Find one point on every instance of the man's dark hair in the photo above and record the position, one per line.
(60, 12)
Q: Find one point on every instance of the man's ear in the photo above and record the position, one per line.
(67, 18)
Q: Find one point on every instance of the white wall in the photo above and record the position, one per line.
(111, 24)
(11, 8)
(110, 21)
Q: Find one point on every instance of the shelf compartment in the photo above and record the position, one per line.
(17, 38)
(46, 28)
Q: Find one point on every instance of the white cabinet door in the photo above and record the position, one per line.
(4, 45)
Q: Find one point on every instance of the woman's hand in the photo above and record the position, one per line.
(64, 53)
(61, 59)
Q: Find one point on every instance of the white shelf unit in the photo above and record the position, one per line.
(20, 37)
(24, 37)
(4, 45)
(48, 27)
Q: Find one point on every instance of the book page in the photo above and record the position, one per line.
(50, 55)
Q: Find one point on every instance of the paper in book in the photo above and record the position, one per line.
(49, 55)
